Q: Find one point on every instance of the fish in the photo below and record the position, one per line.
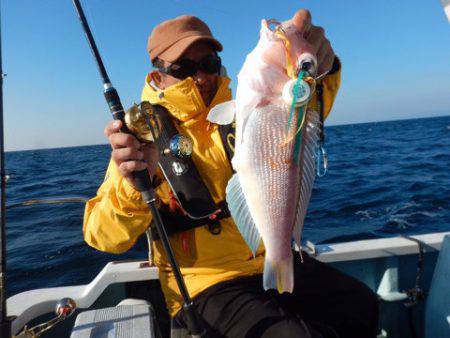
(277, 136)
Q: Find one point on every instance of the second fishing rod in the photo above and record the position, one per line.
(143, 182)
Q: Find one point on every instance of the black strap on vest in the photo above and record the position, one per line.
(186, 184)
(227, 133)
(175, 223)
(188, 188)
(320, 106)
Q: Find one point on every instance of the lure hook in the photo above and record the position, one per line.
(275, 25)
(321, 161)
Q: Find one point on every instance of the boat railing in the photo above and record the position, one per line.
(34, 303)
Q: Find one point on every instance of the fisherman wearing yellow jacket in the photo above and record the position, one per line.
(220, 271)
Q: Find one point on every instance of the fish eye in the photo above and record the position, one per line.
(308, 62)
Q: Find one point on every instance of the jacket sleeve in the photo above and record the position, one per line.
(331, 84)
(117, 216)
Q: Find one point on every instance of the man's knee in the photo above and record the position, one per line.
(281, 326)
(362, 307)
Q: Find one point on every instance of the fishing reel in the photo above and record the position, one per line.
(145, 124)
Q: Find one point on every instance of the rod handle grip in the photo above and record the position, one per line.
(141, 178)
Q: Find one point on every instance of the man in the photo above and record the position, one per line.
(219, 269)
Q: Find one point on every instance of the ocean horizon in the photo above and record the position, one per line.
(326, 127)
(385, 179)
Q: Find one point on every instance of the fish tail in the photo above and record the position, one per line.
(279, 275)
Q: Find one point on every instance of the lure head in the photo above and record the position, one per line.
(281, 54)
(294, 52)
(301, 63)
(289, 55)
(298, 92)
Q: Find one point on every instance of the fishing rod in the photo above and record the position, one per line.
(143, 183)
(5, 322)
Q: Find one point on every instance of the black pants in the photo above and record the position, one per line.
(325, 303)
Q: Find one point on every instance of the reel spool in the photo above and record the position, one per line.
(140, 120)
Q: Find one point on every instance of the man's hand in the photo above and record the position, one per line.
(315, 36)
(129, 154)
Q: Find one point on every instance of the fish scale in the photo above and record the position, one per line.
(269, 181)
(274, 187)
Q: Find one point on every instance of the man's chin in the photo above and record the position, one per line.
(207, 99)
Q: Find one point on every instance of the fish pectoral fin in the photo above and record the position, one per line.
(241, 214)
(223, 113)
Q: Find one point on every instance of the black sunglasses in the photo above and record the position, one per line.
(184, 68)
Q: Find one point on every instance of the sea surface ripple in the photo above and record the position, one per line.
(384, 179)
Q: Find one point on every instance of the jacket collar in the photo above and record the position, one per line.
(183, 100)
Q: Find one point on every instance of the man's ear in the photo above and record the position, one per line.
(156, 76)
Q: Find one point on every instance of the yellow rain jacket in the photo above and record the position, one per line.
(116, 217)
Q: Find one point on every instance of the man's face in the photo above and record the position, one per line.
(206, 83)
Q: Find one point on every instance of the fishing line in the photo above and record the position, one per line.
(94, 30)
(61, 200)
(5, 321)
(216, 9)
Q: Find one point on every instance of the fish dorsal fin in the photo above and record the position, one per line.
(241, 214)
(223, 113)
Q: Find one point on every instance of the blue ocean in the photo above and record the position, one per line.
(384, 179)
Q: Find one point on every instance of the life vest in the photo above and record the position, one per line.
(192, 205)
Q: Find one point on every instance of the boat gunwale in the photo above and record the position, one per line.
(31, 304)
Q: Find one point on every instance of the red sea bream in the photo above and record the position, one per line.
(275, 145)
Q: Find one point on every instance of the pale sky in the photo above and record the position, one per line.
(395, 56)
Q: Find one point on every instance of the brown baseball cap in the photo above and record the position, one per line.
(171, 38)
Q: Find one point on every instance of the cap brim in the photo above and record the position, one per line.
(174, 52)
